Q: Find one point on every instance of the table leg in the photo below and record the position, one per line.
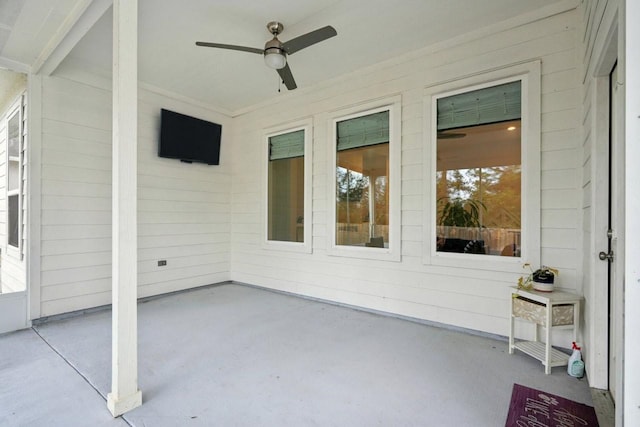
(547, 348)
(576, 320)
(511, 327)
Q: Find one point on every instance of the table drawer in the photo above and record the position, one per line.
(533, 311)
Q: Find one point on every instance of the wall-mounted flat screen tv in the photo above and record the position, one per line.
(189, 139)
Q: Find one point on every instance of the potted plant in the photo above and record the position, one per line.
(460, 212)
(541, 279)
(455, 214)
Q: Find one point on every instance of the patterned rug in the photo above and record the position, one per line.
(534, 408)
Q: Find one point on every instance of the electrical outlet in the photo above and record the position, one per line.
(162, 262)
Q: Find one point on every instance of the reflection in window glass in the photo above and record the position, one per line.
(478, 178)
(13, 133)
(14, 178)
(362, 181)
(13, 221)
(286, 187)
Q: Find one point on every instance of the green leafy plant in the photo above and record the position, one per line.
(460, 212)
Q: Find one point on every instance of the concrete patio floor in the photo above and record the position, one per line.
(235, 355)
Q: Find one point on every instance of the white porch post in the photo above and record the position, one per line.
(124, 394)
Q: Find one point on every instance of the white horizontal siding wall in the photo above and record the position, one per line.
(464, 297)
(183, 209)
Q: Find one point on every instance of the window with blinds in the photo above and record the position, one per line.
(478, 171)
(362, 181)
(286, 187)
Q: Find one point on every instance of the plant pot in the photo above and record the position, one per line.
(543, 287)
(543, 280)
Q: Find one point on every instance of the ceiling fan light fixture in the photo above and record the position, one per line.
(274, 58)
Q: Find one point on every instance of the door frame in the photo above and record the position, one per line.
(599, 296)
(617, 217)
(610, 51)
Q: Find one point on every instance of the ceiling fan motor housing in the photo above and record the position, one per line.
(274, 46)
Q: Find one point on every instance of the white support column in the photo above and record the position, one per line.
(124, 394)
(34, 184)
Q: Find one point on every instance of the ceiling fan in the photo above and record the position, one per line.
(275, 52)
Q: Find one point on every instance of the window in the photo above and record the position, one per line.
(478, 171)
(365, 183)
(287, 196)
(362, 181)
(483, 191)
(15, 143)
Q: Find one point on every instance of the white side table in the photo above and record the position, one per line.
(559, 309)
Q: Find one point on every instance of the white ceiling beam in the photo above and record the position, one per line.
(81, 19)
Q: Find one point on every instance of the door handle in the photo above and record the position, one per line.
(606, 256)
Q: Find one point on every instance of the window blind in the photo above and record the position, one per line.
(363, 131)
(489, 105)
(287, 145)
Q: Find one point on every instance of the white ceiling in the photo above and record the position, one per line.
(27, 27)
(369, 31)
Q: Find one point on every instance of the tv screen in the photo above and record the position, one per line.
(189, 139)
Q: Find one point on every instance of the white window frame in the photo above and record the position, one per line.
(529, 75)
(393, 252)
(306, 246)
(16, 109)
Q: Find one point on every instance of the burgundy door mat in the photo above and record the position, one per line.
(534, 408)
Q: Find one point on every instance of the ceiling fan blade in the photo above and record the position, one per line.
(306, 40)
(231, 47)
(287, 77)
(451, 135)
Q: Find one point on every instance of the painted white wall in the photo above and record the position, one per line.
(460, 296)
(183, 209)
